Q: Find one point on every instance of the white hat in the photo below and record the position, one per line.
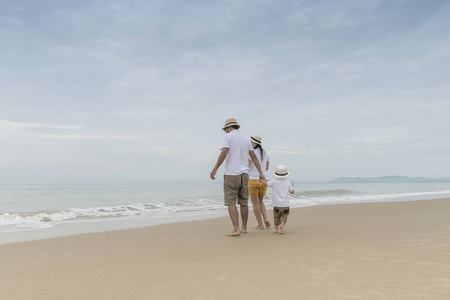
(281, 172)
(256, 139)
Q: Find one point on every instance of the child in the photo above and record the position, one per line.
(280, 197)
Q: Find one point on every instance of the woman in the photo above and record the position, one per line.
(256, 189)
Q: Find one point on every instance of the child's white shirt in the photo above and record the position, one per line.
(280, 192)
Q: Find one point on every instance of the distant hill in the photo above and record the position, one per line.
(388, 179)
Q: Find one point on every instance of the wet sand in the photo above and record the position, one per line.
(398, 250)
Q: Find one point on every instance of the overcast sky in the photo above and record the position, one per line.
(138, 91)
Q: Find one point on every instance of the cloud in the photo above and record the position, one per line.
(26, 129)
(11, 127)
(373, 141)
(291, 152)
(119, 83)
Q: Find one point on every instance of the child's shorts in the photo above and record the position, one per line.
(280, 215)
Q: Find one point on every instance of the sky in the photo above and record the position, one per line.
(136, 92)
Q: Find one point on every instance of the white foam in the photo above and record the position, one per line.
(13, 222)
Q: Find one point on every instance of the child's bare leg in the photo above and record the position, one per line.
(276, 220)
(282, 227)
(275, 230)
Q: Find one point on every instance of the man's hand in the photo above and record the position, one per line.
(220, 159)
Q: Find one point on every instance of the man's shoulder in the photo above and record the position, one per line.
(236, 134)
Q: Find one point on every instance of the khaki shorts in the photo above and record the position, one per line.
(235, 188)
(255, 187)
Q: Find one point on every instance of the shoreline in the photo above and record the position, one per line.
(389, 250)
(133, 207)
(81, 227)
(74, 228)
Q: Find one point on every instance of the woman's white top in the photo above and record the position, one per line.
(253, 171)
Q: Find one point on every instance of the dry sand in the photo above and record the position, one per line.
(359, 251)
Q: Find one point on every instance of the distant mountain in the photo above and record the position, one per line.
(388, 179)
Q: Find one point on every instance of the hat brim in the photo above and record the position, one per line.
(236, 124)
(281, 176)
(253, 140)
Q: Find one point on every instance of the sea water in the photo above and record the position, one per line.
(30, 212)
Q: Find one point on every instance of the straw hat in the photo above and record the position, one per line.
(281, 172)
(256, 139)
(231, 122)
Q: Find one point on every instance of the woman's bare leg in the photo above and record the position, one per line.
(262, 208)
(257, 211)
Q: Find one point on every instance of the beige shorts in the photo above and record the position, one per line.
(235, 188)
(255, 187)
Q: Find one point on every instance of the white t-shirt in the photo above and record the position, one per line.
(237, 157)
(253, 171)
(280, 192)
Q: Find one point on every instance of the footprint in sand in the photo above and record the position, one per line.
(221, 276)
(433, 264)
(399, 261)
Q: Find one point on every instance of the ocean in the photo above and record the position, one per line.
(29, 212)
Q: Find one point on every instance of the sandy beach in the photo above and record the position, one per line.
(398, 250)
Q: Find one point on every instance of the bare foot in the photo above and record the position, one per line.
(244, 231)
(234, 234)
(258, 227)
(281, 229)
(275, 231)
(267, 223)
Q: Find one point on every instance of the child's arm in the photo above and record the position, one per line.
(293, 191)
(264, 182)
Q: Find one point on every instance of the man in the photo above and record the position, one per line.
(236, 148)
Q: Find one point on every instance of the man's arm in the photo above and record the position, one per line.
(257, 165)
(220, 160)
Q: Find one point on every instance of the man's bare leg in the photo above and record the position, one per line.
(244, 216)
(234, 216)
(257, 211)
(262, 208)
